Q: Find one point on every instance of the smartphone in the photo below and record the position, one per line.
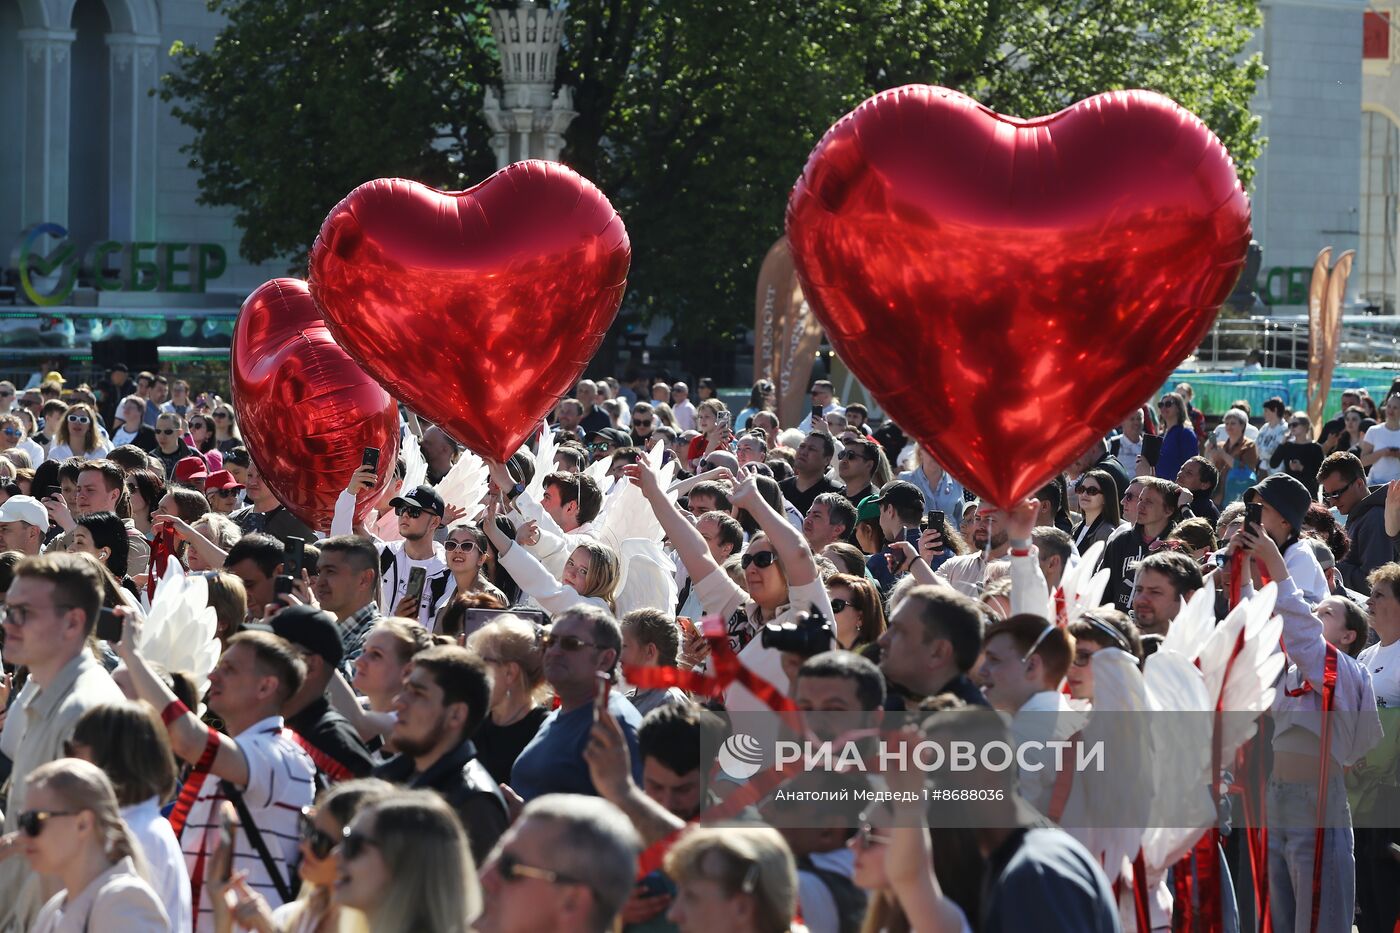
(1254, 517)
(1151, 448)
(687, 625)
(282, 586)
(600, 696)
(109, 626)
(817, 412)
(370, 458)
(935, 520)
(724, 420)
(476, 618)
(294, 557)
(417, 577)
(53, 492)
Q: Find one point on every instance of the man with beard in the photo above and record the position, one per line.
(445, 697)
(992, 541)
(1163, 580)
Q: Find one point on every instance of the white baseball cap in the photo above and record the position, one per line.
(25, 509)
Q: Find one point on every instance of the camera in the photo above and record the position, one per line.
(810, 635)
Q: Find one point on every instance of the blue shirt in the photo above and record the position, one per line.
(553, 761)
(947, 497)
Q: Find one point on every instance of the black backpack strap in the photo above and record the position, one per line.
(250, 829)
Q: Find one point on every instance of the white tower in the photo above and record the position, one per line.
(529, 120)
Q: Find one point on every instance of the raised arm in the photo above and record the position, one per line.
(789, 544)
(367, 723)
(690, 545)
(189, 737)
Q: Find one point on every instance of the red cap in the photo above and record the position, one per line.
(223, 479)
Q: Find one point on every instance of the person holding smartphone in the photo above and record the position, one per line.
(715, 424)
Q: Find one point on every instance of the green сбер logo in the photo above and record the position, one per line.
(111, 265)
(29, 261)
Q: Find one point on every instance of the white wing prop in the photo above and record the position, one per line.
(1082, 588)
(1180, 780)
(1247, 685)
(544, 464)
(180, 628)
(648, 579)
(626, 514)
(1193, 625)
(415, 466)
(465, 484)
(599, 472)
(1107, 808)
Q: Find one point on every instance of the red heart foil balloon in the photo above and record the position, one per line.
(306, 410)
(477, 309)
(1008, 290)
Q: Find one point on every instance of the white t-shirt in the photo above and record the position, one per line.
(1384, 665)
(1386, 468)
(169, 878)
(394, 583)
(123, 436)
(281, 780)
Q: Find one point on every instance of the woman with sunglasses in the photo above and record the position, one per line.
(202, 432)
(321, 830)
(129, 744)
(950, 856)
(144, 489)
(1179, 442)
(1299, 455)
(130, 426)
(590, 573)
(405, 865)
(78, 436)
(519, 695)
(226, 436)
(1099, 508)
(72, 831)
(856, 611)
(465, 547)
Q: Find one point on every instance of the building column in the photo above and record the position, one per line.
(133, 76)
(47, 79)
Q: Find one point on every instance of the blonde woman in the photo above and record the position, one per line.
(72, 830)
(510, 647)
(321, 828)
(590, 574)
(378, 675)
(78, 436)
(405, 865)
(737, 879)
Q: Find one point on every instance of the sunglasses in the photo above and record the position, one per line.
(839, 605)
(220, 415)
(1083, 490)
(849, 454)
(166, 431)
(79, 419)
(353, 844)
(31, 822)
(11, 432)
(412, 511)
(601, 447)
(866, 837)
(320, 842)
(762, 560)
(1333, 496)
(512, 869)
(450, 545)
(567, 642)
(225, 493)
(638, 423)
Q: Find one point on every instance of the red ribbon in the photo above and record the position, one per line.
(162, 549)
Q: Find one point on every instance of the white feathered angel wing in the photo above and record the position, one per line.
(599, 472)
(1106, 809)
(1081, 586)
(415, 466)
(626, 514)
(1194, 624)
(1180, 781)
(180, 628)
(465, 484)
(544, 463)
(648, 578)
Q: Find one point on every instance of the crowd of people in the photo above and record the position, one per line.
(472, 711)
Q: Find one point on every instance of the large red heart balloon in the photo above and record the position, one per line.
(1008, 290)
(477, 309)
(306, 410)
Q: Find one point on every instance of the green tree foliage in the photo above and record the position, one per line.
(695, 116)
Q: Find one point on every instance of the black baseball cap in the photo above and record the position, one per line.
(425, 498)
(614, 436)
(311, 629)
(901, 496)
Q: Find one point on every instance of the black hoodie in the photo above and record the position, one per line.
(1370, 546)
